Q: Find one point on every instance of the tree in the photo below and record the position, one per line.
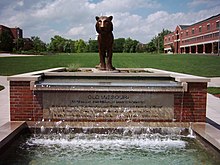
(119, 45)
(156, 44)
(38, 45)
(80, 46)
(6, 41)
(19, 44)
(130, 45)
(140, 48)
(57, 44)
(69, 46)
(151, 47)
(93, 46)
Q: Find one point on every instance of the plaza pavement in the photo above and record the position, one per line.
(4, 101)
(15, 55)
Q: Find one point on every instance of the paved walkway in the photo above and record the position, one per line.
(4, 101)
(15, 55)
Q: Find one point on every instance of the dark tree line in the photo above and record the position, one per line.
(59, 44)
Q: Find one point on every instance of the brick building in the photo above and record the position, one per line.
(15, 33)
(200, 38)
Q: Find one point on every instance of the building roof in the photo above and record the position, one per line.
(186, 26)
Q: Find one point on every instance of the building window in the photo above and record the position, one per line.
(208, 26)
(187, 33)
(217, 25)
(200, 29)
(193, 31)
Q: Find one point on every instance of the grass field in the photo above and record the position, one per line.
(1, 87)
(201, 65)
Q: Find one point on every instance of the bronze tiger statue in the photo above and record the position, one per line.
(104, 28)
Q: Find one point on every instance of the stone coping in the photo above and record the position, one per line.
(208, 133)
(181, 77)
(32, 76)
(107, 89)
(150, 72)
(9, 130)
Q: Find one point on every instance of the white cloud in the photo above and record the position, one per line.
(76, 18)
(76, 31)
(20, 3)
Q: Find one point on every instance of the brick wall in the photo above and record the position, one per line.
(24, 104)
(191, 106)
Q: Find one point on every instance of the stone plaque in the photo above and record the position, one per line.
(105, 99)
(108, 105)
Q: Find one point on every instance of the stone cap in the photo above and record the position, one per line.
(180, 77)
(32, 76)
(135, 72)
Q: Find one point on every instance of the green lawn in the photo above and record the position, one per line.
(1, 87)
(201, 65)
(214, 90)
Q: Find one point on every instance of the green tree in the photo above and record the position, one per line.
(69, 46)
(130, 45)
(156, 44)
(93, 46)
(38, 45)
(6, 41)
(140, 48)
(80, 46)
(57, 44)
(119, 45)
(151, 47)
(19, 44)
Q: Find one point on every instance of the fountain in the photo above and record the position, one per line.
(129, 115)
(89, 95)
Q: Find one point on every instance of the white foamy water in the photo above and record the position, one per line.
(107, 149)
(110, 142)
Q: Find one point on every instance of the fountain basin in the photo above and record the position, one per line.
(121, 145)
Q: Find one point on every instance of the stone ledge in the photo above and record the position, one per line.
(9, 130)
(208, 132)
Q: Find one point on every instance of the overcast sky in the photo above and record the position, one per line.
(75, 19)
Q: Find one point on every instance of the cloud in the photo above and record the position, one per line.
(207, 3)
(75, 19)
(76, 31)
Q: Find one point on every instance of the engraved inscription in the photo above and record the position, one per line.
(88, 99)
(108, 106)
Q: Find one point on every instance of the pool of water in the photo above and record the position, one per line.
(106, 149)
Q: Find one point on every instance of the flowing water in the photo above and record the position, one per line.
(106, 149)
